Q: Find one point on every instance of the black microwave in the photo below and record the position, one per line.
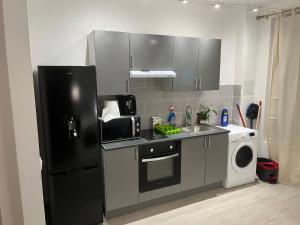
(119, 129)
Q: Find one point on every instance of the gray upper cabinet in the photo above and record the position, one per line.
(209, 64)
(195, 61)
(120, 178)
(185, 63)
(192, 163)
(109, 51)
(151, 52)
(216, 158)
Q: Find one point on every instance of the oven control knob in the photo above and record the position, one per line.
(151, 150)
(137, 124)
(171, 146)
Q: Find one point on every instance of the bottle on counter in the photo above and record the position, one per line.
(224, 118)
(172, 116)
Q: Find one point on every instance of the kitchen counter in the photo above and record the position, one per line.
(141, 141)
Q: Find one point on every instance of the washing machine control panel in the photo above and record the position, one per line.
(243, 137)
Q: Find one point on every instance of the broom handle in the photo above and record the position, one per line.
(241, 116)
(258, 116)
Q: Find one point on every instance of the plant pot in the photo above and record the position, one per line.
(200, 120)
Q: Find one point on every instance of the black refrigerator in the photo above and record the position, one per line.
(69, 144)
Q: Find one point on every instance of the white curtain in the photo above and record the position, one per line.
(284, 113)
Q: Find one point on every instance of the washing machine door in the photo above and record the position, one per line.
(243, 157)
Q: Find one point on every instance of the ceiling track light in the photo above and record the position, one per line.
(183, 1)
(217, 6)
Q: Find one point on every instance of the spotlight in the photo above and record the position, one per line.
(183, 1)
(217, 6)
(255, 10)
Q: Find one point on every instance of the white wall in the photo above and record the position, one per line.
(58, 28)
(18, 131)
(10, 196)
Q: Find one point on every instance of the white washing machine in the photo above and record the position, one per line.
(242, 156)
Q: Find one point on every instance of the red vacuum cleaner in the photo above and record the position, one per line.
(267, 170)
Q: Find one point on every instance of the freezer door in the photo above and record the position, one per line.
(67, 112)
(73, 198)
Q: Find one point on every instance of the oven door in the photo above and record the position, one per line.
(161, 170)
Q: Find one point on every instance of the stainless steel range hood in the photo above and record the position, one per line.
(152, 74)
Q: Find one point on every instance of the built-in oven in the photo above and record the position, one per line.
(122, 128)
(159, 165)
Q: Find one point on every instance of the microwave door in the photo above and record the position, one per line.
(117, 129)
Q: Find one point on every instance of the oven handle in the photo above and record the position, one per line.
(160, 158)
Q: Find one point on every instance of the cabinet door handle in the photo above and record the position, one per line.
(208, 142)
(136, 155)
(127, 85)
(196, 84)
(200, 83)
(131, 62)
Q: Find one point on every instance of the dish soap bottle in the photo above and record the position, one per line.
(224, 118)
(172, 116)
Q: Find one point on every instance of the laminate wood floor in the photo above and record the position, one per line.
(259, 204)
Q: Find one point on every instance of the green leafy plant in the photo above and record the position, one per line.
(204, 113)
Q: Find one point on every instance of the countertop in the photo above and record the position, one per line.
(141, 141)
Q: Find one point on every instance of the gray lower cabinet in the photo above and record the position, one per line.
(109, 51)
(151, 52)
(216, 152)
(120, 177)
(158, 193)
(209, 60)
(192, 163)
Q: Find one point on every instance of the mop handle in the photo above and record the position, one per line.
(241, 116)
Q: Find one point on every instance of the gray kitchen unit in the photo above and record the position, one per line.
(151, 52)
(109, 51)
(203, 166)
(121, 186)
(204, 161)
(192, 163)
(216, 152)
(185, 61)
(196, 62)
(209, 61)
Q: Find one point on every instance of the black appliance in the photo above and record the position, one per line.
(127, 104)
(159, 165)
(152, 135)
(69, 144)
(122, 128)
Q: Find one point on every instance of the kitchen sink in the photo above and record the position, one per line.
(196, 129)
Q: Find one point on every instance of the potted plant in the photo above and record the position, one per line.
(204, 114)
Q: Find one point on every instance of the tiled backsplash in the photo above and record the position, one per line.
(151, 101)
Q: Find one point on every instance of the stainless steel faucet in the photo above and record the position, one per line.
(188, 116)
